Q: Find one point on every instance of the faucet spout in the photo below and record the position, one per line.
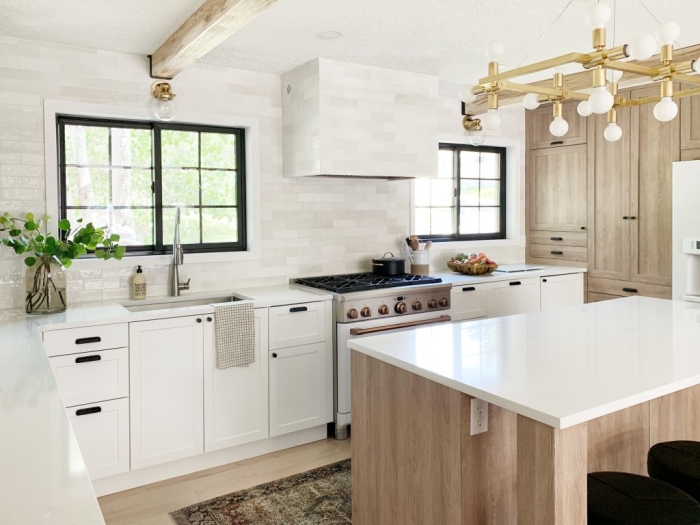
(178, 260)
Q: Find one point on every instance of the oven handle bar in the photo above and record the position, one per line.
(363, 331)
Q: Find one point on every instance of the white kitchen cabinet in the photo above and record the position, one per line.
(102, 431)
(236, 407)
(298, 324)
(167, 389)
(468, 302)
(298, 393)
(559, 291)
(85, 339)
(518, 296)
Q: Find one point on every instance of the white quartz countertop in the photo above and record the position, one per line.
(456, 279)
(560, 367)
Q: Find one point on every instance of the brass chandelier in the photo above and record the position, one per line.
(607, 67)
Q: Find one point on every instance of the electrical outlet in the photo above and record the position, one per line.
(479, 416)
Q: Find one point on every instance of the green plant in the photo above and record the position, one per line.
(31, 236)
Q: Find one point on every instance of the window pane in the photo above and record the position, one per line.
(490, 193)
(220, 225)
(135, 227)
(87, 145)
(131, 147)
(489, 220)
(468, 220)
(218, 187)
(219, 150)
(423, 221)
(469, 164)
(441, 221)
(446, 167)
(180, 148)
(490, 166)
(87, 187)
(441, 192)
(131, 187)
(180, 187)
(422, 192)
(189, 226)
(469, 193)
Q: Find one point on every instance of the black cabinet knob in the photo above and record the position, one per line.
(199, 320)
(544, 280)
(274, 354)
(209, 319)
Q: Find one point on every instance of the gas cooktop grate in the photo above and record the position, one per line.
(359, 282)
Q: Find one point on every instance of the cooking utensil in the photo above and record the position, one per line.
(428, 245)
(415, 242)
(388, 266)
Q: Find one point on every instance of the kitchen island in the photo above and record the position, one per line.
(570, 391)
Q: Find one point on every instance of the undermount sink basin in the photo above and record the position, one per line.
(180, 302)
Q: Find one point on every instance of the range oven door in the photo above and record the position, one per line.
(348, 331)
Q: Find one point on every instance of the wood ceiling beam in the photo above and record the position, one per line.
(213, 23)
(577, 81)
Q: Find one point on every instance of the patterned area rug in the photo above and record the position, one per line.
(317, 497)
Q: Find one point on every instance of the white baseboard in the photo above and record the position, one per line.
(145, 476)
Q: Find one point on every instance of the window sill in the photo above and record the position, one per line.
(163, 260)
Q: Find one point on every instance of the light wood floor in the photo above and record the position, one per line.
(149, 505)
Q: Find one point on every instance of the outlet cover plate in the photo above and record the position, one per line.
(479, 416)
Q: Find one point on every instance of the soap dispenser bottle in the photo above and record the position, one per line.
(138, 288)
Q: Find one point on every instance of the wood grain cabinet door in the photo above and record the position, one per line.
(538, 121)
(558, 186)
(690, 123)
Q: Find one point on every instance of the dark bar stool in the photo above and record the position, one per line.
(618, 498)
(677, 463)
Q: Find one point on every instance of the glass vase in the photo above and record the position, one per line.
(46, 288)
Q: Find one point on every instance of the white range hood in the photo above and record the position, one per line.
(349, 120)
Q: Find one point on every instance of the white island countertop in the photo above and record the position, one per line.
(560, 367)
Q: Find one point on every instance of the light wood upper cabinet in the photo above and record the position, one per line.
(557, 186)
(538, 121)
(690, 122)
(656, 145)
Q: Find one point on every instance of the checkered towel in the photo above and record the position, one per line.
(235, 334)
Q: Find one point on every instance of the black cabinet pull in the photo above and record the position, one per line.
(556, 252)
(199, 320)
(583, 227)
(468, 289)
(209, 319)
(87, 340)
(556, 239)
(625, 217)
(633, 218)
(274, 354)
(86, 411)
(557, 143)
(544, 280)
(630, 290)
(88, 359)
(298, 309)
(515, 283)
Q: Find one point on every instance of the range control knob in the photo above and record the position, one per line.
(383, 309)
(400, 308)
(417, 306)
(366, 312)
(444, 303)
(352, 313)
(432, 303)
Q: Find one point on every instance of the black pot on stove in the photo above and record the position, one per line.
(388, 266)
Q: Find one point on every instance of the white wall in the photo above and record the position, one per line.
(309, 226)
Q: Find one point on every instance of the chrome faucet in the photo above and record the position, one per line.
(178, 259)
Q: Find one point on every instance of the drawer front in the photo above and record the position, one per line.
(297, 324)
(468, 302)
(567, 253)
(93, 376)
(102, 431)
(517, 296)
(86, 339)
(627, 288)
(559, 238)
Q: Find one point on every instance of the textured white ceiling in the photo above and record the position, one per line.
(438, 37)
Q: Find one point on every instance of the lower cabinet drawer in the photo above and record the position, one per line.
(468, 302)
(93, 376)
(627, 288)
(102, 431)
(297, 324)
(559, 238)
(568, 253)
(86, 339)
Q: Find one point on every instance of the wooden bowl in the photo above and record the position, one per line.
(471, 269)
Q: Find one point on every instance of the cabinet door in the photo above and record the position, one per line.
(167, 390)
(557, 185)
(559, 291)
(297, 324)
(690, 121)
(297, 388)
(519, 296)
(609, 232)
(236, 399)
(656, 145)
(538, 121)
(468, 302)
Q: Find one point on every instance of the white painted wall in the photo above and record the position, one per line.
(308, 226)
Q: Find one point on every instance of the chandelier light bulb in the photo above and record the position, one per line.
(643, 47)
(665, 110)
(559, 127)
(495, 50)
(601, 100)
(696, 65)
(613, 132)
(477, 137)
(598, 15)
(531, 101)
(584, 109)
(613, 76)
(491, 120)
(466, 95)
(668, 32)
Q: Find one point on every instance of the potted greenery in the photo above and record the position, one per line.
(49, 254)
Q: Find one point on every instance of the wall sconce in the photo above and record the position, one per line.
(163, 103)
(474, 130)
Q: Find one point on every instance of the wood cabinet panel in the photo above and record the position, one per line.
(559, 238)
(594, 297)
(690, 154)
(568, 253)
(690, 122)
(628, 288)
(538, 121)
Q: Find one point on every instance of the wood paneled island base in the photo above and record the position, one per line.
(415, 462)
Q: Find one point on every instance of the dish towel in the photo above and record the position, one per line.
(235, 334)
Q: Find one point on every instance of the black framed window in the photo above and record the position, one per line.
(131, 176)
(467, 201)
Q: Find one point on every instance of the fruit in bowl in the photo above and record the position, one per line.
(472, 264)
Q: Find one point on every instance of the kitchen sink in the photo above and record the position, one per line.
(180, 302)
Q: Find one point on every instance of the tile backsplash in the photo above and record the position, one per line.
(308, 225)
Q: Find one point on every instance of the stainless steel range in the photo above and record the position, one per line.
(366, 304)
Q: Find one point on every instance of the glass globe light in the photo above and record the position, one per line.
(584, 109)
(668, 32)
(665, 110)
(696, 65)
(598, 15)
(643, 47)
(477, 137)
(491, 120)
(613, 132)
(495, 50)
(559, 127)
(531, 101)
(601, 100)
(613, 76)
(466, 95)
(163, 109)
